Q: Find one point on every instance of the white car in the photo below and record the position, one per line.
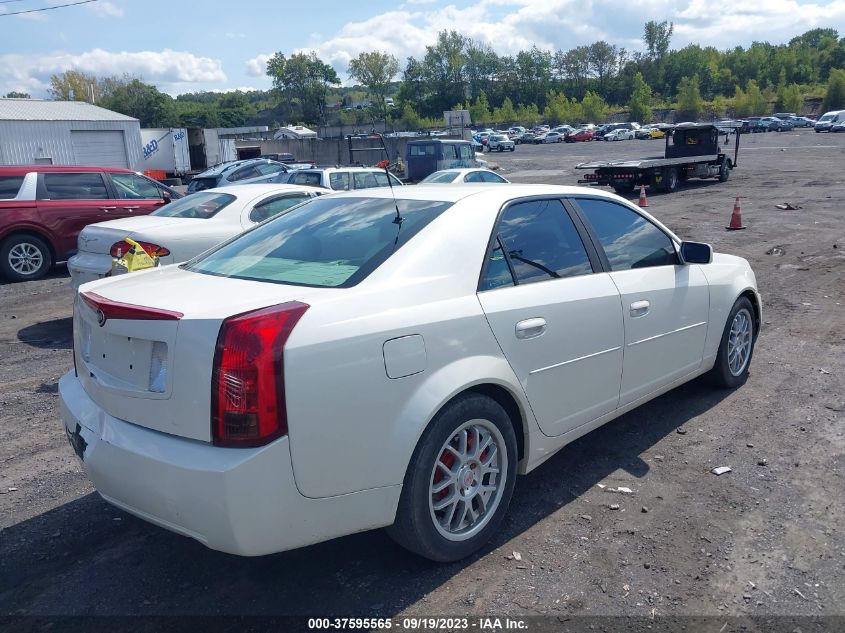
(554, 137)
(367, 361)
(619, 135)
(184, 228)
(456, 176)
(500, 142)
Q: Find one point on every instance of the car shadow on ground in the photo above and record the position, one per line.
(130, 567)
(55, 334)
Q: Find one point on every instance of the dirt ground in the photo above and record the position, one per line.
(767, 539)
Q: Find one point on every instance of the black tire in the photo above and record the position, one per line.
(721, 375)
(624, 189)
(513, 148)
(724, 171)
(37, 265)
(415, 527)
(670, 180)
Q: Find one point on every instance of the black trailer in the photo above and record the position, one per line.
(693, 150)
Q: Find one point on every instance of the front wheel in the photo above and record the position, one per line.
(736, 348)
(724, 171)
(459, 482)
(24, 257)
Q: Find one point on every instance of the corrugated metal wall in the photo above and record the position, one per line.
(24, 142)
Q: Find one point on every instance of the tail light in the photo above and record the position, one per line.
(248, 380)
(119, 249)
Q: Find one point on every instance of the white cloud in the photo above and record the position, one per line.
(104, 9)
(169, 70)
(513, 25)
(257, 66)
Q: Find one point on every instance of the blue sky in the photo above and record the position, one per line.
(183, 47)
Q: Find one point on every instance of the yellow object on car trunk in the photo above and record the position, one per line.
(136, 258)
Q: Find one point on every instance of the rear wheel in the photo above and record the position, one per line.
(736, 348)
(24, 257)
(459, 481)
(670, 180)
(624, 188)
(724, 170)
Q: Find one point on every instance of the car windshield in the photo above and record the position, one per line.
(325, 243)
(826, 117)
(439, 176)
(200, 206)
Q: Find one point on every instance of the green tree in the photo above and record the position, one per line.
(834, 98)
(505, 113)
(603, 58)
(375, 70)
(790, 99)
(73, 85)
(303, 80)
(528, 113)
(594, 108)
(657, 36)
(479, 111)
(640, 104)
(17, 95)
(141, 101)
(690, 102)
(756, 103)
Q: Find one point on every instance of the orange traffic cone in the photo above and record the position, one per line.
(736, 218)
(643, 199)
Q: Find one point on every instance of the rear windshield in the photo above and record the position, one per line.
(326, 243)
(200, 206)
(9, 186)
(200, 184)
(440, 176)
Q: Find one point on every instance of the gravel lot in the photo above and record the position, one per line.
(761, 540)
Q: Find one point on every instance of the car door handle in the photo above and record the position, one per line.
(131, 208)
(530, 328)
(108, 208)
(639, 308)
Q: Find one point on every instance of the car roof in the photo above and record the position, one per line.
(260, 189)
(15, 170)
(222, 168)
(338, 168)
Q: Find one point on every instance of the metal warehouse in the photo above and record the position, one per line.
(37, 131)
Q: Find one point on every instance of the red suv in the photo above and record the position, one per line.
(43, 208)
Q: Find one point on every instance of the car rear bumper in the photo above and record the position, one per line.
(240, 501)
(85, 267)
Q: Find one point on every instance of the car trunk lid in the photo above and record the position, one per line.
(144, 344)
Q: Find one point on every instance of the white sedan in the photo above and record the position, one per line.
(458, 176)
(365, 361)
(183, 229)
(619, 135)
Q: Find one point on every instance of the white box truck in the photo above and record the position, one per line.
(165, 149)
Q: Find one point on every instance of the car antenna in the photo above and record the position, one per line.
(398, 219)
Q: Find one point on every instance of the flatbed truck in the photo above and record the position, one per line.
(692, 151)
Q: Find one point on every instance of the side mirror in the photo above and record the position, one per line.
(696, 253)
(165, 195)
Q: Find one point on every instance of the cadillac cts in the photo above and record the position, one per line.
(363, 362)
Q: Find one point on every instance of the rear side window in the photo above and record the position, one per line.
(339, 181)
(628, 239)
(305, 178)
(201, 184)
(327, 243)
(199, 206)
(487, 176)
(541, 243)
(75, 187)
(243, 173)
(274, 206)
(439, 177)
(9, 186)
(268, 168)
(473, 176)
(427, 149)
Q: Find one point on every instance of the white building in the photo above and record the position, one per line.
(38, 131)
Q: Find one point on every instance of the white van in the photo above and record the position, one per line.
(829, 119)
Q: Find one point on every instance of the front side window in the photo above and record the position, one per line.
(135, 187)
(75, 187)
(327, 243)
(9, 186)
(628, 239)
(541, 243)
(473, 176)
(367, 180)
(275, 206)
(200, 206)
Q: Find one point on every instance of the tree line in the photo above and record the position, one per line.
(584, 83)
